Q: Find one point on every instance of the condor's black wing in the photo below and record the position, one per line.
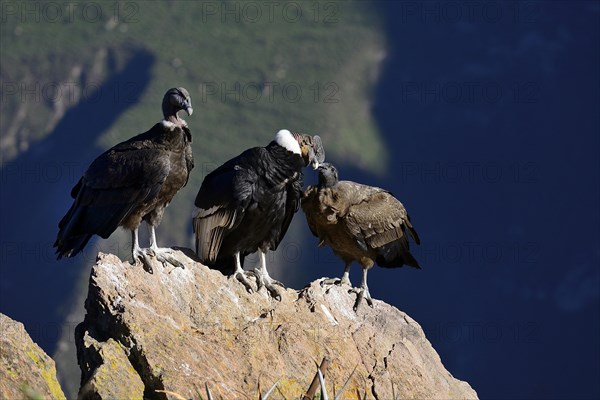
(115, 184)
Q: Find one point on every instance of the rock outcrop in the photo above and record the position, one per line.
(25, 370)
(152, 335)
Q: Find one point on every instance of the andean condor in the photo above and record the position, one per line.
(247, 204)
(133, 181)
(360, 223)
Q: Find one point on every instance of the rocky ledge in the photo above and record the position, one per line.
(26, 371)
(168, 334)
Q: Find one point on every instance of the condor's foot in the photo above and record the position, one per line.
(142, 256)
(241, 277)
(362, 293)
(264, 280)
(165, 256)
(335, 282)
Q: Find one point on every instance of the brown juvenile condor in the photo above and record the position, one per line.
(360, 223)
(247, 204)
(133, 181)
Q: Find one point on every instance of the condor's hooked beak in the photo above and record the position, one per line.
(188, 108)
(316, 154)
(311, 149)
(312, 159)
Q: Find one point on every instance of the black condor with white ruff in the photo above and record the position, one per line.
(247, 204)
(133, 181)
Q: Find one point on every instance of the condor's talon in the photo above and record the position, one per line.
(329, 281)
(362, 293)
(166, 259)
(241, 277)
(141, 256)
(164, 255)
(273, 291)
(264, 280)
(344, 280)
(335, 282)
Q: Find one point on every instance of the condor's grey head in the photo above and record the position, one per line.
(309, 147)
(328, 175)
(175, 100)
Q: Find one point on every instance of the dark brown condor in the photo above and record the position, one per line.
(247, 204)
(360, 223)
(132, 182)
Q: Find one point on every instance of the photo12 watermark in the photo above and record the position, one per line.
(472, 12)
(70, 93)
(24, 252)
(69, 12)
(45, 331)
(466, 172)
(478, 252)
(270, 92)
(12, 173)
(470, 332)
(472, 92)
(252, 12)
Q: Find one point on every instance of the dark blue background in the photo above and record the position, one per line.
(491, 114)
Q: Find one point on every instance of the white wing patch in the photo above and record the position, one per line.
(201, 212)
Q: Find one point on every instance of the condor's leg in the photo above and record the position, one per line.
(240, 274)
(137, 253)
(345, 280)
(363, 290)
(264, 279)
(164, 255)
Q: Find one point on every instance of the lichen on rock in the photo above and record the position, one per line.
(26, 371)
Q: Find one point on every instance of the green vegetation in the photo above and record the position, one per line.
(251, 70)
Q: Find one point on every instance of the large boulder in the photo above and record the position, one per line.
(26, 371)
(169, 333)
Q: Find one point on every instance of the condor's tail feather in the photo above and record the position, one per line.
(396, 254)
(69, 241)
(412, 230)
(94, 212)
(72, 246)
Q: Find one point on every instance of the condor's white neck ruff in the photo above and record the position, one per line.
(285, 139)
(171, 125)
